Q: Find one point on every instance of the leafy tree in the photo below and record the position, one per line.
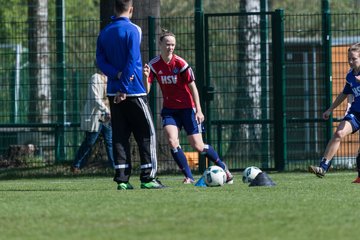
(171, 8)
(9, 23)
(304, 6)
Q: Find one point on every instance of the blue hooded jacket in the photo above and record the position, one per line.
(118, 50)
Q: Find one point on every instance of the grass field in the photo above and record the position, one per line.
(301, 206)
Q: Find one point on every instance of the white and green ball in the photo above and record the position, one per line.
(214, 176)
(250, 173)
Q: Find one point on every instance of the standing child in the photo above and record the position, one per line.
(95, 120)
(351, 122)
(181, 106)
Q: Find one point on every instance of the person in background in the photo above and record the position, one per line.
(118, 56)
(95, 120)
(351, 122)
(181, 105)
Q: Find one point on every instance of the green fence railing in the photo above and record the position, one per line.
(263, 98)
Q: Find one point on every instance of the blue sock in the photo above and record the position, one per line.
(325, 161)
(325, 164)
(181, 161)
(212, 155)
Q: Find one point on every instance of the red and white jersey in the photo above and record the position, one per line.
(173, 78)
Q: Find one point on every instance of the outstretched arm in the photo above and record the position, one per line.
(339, 99)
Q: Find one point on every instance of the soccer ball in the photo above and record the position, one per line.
(214, 176)
(250, 174)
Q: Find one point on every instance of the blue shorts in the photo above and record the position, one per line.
(354, 119)
(182, 118)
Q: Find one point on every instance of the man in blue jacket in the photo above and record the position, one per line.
(118, 56)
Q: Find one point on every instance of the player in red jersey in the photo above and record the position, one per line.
(181, 106)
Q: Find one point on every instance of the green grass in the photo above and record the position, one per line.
(301, 206)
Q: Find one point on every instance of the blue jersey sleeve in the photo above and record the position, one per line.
(347, 89)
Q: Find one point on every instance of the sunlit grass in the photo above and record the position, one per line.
(300, 206)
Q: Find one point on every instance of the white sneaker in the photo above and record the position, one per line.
(229, 177)
(188, 180)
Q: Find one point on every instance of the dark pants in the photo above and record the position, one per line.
(90, 139)
(133, 116)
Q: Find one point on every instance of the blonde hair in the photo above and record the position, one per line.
(165, 33)
(354, 48)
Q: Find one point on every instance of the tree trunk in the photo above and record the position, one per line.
(106, 11)
(249, 83)
(39, 70)
(142, 10)
(357, 4)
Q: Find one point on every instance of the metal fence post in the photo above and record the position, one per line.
(61, 80)
(200, 50)
(200, 68)
(265, 105)
(279, 86)
(76, 104)
(152, 52)
(326, 40)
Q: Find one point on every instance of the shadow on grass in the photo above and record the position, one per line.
(54, 171)
(62, 170)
